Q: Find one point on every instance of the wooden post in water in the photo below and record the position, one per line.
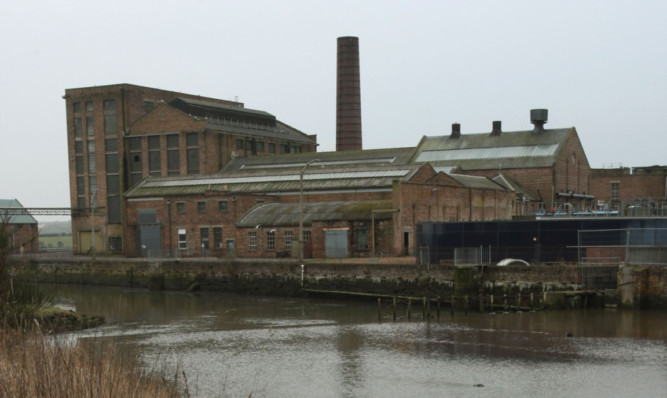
(424, 307)
(409, 308)
(438, 307)
(452, 305)
(491, 301)
(379, 310)
(518, 301)
(505, 302)
(394, 307)
(532, 300)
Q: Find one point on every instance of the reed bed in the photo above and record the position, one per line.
(39, 365)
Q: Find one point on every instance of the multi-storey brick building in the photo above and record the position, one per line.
(119, 134)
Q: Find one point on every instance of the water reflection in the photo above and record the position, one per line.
(233, 345)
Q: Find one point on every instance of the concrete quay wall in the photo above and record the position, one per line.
(554, 286)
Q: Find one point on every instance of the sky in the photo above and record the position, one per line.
(599, 66)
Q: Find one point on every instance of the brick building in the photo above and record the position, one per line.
(351, 204)
(632, 191)
(546, 167)
(22, 227)
(119, 134)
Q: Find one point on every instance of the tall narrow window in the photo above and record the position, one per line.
(113, 180)
(182, 239)
(192, 143)
(136, 164)
(288, 240)
(78, 126)
(252, 241)
(154, 167)
(110, 120)
(217, 237)
(173, 155)
(90, 126)
(270, 240)
(615, 191)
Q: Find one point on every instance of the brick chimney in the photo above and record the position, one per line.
(348, 95)
(456, 130)
(496, 130)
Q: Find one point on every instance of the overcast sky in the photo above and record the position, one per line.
(600, 66)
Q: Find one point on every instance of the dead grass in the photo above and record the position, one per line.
(38, 365)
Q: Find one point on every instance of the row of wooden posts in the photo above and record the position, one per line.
(485, 303)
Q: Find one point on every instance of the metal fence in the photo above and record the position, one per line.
(637, 246)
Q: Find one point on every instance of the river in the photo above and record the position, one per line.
(236, 346)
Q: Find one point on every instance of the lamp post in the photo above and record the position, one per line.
(303, 170)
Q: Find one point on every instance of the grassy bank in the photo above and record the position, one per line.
(39, 365)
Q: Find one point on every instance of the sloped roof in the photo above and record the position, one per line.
(362, 159)
(287, 214)
(478, 182)
(258, 181)
(519, 149)
(15, 218)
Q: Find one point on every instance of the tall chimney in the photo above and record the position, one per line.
(348, 96)
(539, 117)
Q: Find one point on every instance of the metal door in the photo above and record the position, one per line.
(335, 242)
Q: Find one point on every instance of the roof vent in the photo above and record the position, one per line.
(539, 117)
(496, 128)
(456, 130)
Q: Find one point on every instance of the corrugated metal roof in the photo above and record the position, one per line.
(487, 153)
(519, 149)
(15, 219)
(287, 214)
(276, 178)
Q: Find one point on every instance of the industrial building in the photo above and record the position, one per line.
(119, 134)
(160, 173)
(22, 230)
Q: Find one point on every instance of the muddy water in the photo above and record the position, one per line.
(234, 346)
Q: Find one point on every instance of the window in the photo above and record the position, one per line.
(239, 144)
(76, 107)
(154, 167)
(79, 164)
(201, 206)
(89, 106)
(78, 147)
(203, 233)
(173, 155)
(90, 128)
(192, 153)
(182, 241)
(111, 145)
(136, 164)
(260, 146)
(288, 240)
(222, 205)
(92, 184)
(306, 236)
(180, 207)
(248, 145)
(270, 240)
(284, 148)
(112, 162)
(615, 190)
(272, 148)
(252, 241)
(109, 107)
(78, 126)
(91, 145)
(148, 106)
(92, 169)
(362, 238)
(113, 185)
(80, 188)
(217, 237)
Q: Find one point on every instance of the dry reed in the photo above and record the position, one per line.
(38, 365)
